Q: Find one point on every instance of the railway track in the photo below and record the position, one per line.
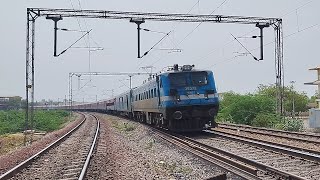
(66, 158)
(296, 164)
(309, 137)
(308, 142)
(231, 161)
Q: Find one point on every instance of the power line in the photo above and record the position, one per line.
(214, 50)
(155, 44)
(231, 58)
(74, 43)
(191, 30)
(294, 33)
(303, 5)
(245, 48)
(201, 23)
(173, 28)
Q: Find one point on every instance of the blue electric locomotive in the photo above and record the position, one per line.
(181, 99)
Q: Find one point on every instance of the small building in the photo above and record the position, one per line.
(10, 102)
(314, 113)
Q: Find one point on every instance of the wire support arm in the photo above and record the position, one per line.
(151, 16)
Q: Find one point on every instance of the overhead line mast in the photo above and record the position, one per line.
(260, 22)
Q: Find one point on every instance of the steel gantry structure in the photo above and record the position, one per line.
(140, 17)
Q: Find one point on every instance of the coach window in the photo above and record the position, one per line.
(151, 93)
(155, 92)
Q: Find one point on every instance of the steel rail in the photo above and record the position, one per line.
(271, 130)
(248, 161)
(269, 133)
(275, 143)
(86, 164)
(247, 165)
(223, 161)
(22, 165)
(314, 156)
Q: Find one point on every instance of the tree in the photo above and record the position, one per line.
(242, 109)
(299, 99)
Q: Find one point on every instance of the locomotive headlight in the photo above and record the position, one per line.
(212, 112)
(177, 115)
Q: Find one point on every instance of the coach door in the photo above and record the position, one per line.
(127, 102)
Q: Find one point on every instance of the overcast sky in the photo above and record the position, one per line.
(210, 46)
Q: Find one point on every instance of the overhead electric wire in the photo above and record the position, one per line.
(289, 12)
(74, 43)
(201, 23)
(228, 59)
(173, 27)
(214, 50)
(193, 29)
(199, 59)
(244, 47)
(294, 33)
(156, 44)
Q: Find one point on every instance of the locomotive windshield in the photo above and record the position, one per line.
(188, 78)
(199, 78)
(178, 79)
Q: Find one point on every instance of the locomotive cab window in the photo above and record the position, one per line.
(178, 79)
(199, 78)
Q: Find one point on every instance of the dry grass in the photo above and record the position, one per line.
(9, 142)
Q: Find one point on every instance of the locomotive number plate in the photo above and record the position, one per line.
(191, 88)
(191, 92)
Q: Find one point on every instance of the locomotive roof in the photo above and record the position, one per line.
(193, 70)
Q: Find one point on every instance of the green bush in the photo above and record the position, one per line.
(293, 125)
(14, 120)
(243, 109)
(266, 120)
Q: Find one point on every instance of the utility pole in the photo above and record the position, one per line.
(138, 22)
(293, 108)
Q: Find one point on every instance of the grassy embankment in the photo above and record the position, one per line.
(12, 125)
